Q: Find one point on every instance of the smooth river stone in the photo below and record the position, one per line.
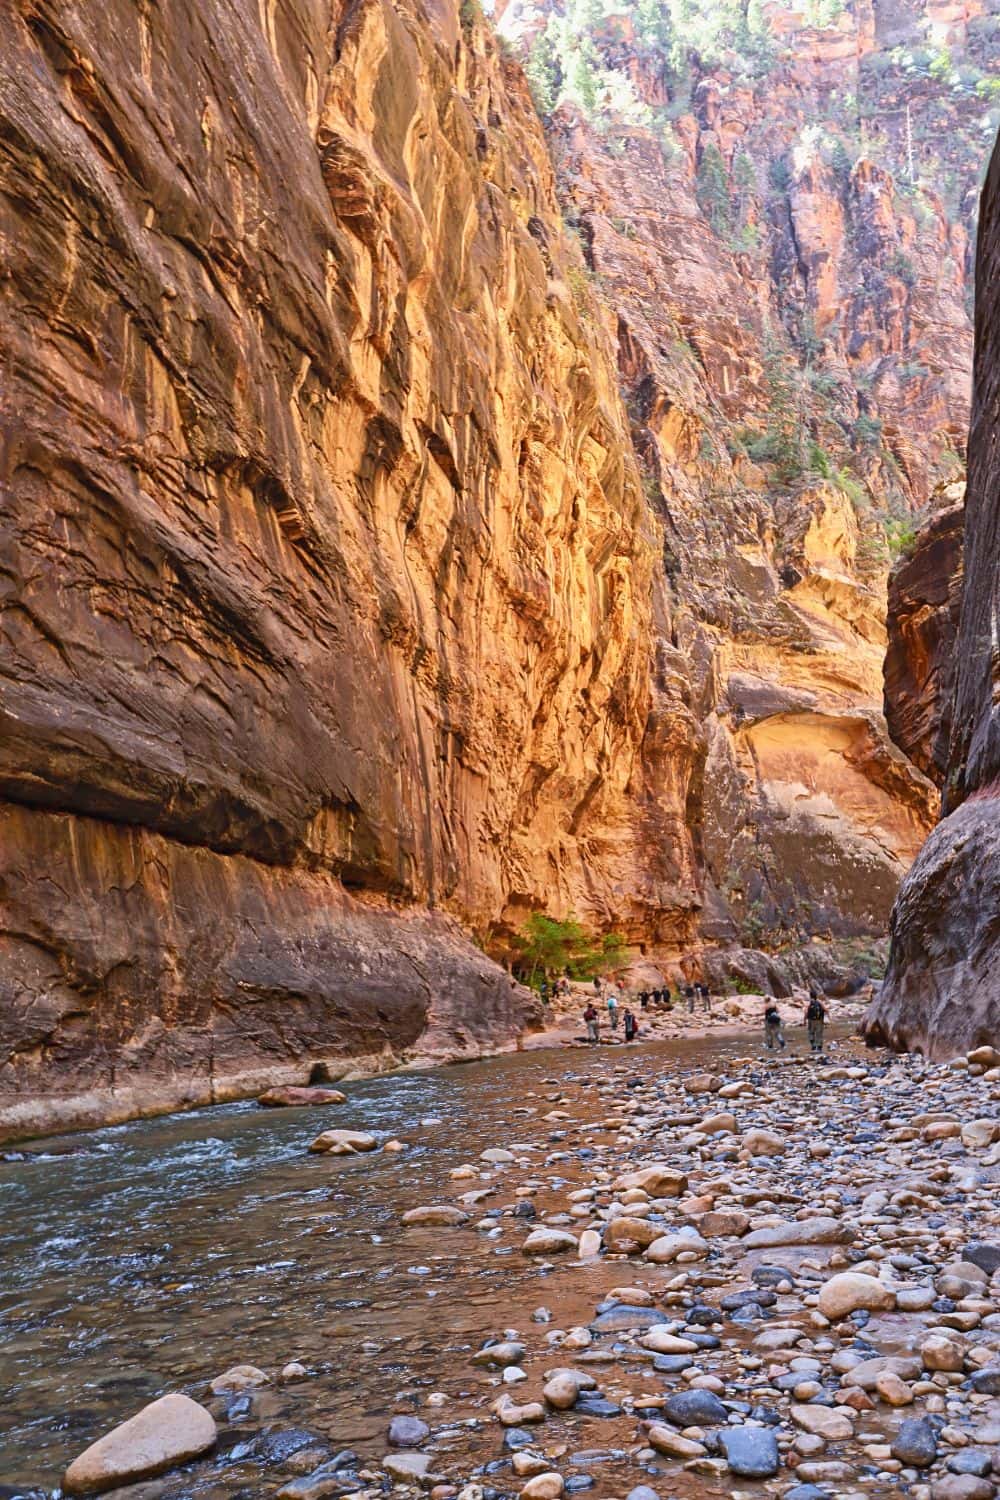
(163, 1435)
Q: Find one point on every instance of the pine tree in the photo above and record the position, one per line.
(712, 190)
(583, 82)
(542, 72)
(784, 418)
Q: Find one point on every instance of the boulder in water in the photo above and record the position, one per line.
(166, 1433)
(297, 1095)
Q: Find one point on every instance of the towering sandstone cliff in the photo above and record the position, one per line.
(402, 532)
(942, 990)
(327, 575)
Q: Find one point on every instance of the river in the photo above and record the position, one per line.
(162, 1252)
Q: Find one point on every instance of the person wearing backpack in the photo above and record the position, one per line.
(774, 1037)
(613, 1011)
(815, 1021)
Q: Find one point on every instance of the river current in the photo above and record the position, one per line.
(151, 1256)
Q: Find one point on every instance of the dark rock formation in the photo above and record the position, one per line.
(925, 593)
(140, 974)
(942, 988)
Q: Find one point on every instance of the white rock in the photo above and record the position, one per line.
(238, 1378)
(339, 1142)
(544, 1241)
(166, 1433)
(851, 1291)
(824, 1421)
(669, 1246)
(543, 1487)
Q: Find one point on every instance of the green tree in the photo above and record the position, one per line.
(654, 27)
(784, 414)
(542, 72)
(583, 81)
(712, 190)
(552, 947)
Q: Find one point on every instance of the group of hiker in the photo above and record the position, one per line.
(592, 1018)
(659, 998)
(774, 1034)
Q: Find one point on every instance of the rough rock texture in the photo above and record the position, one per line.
(925, 595)
(324, 550)
(942, 988)
(142, 974)
(794, 348)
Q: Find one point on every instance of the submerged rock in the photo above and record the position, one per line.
(293, 1095)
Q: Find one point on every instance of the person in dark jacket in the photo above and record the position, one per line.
(774, 1036)
(631, 1027)
(815, 1021)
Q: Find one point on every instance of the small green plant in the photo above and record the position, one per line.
(902, 266)
(712, 190)
(900, 535)
(851, 486)
(941, 66)
(470, 14)
(867, 430)
(819, 461)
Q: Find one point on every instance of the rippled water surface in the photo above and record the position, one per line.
(168, 1250)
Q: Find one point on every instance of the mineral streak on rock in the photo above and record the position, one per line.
(925, 594)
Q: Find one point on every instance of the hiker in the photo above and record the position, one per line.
(644, 999)
(597, 984)
(592, 1019)
(612, 1004)
(689, 997)
(543, 991)
(630, 1026)
(815, 1019)
(774, 1037)
(706, 999)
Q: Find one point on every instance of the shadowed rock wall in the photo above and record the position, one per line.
(942, 989)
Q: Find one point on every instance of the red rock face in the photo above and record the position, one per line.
(323, 545)
(942, 989)
(925, 593)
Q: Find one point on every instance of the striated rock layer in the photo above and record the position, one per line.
(925, 596)
(326, 565)
(942, 988)
(777, 315)
(142, 974)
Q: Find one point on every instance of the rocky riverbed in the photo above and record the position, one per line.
(629, 1274)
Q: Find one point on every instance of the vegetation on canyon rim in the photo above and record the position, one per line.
(920, 111)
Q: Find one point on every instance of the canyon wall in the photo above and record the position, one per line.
(787, 294)
(413, 517)
(942, 989)
(327, 570)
